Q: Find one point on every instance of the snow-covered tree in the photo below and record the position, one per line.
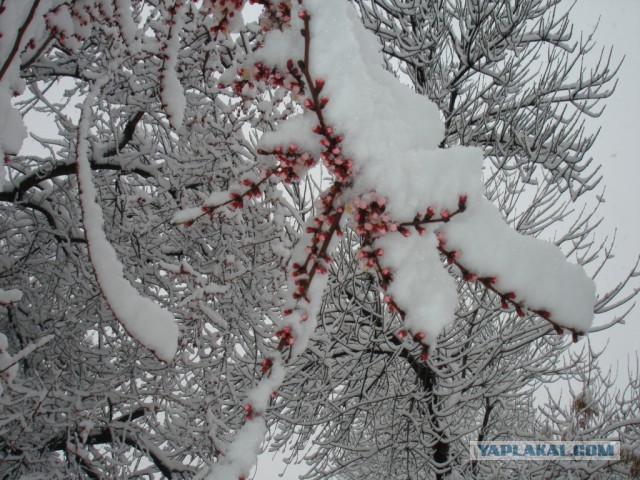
(373, 410)
(93, 400)
(201, 182)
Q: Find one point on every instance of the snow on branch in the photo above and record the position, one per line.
(154, 327)
(7, 361)
(171, 92)
(10, 296)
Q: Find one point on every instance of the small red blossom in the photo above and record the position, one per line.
(237, 201)
(462, 203)
(286, 337)
(267, 363)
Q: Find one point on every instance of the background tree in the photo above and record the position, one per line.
(93, 402)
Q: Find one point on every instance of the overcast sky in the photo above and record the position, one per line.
(617, 151)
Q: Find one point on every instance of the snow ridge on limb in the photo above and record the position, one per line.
(380, 143)
(10, 296)
(154, 327)
(171, 91)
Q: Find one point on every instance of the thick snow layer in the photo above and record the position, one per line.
(280, 46)
(297, 129)
(8, 368)
(187, 215)
(420, 286)
(535, 270)
(304, 318)
(247, 445)
(243, 452)
(259, 397)
(391, 133)
(128, 29)
(146, 321)
(12, 129)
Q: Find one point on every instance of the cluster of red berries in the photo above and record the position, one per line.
(83, 18)
(429, 216)
(327, 222)
(267, 363)
(372, 222)
(236, 199)
(229, 5)
(291, 79)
